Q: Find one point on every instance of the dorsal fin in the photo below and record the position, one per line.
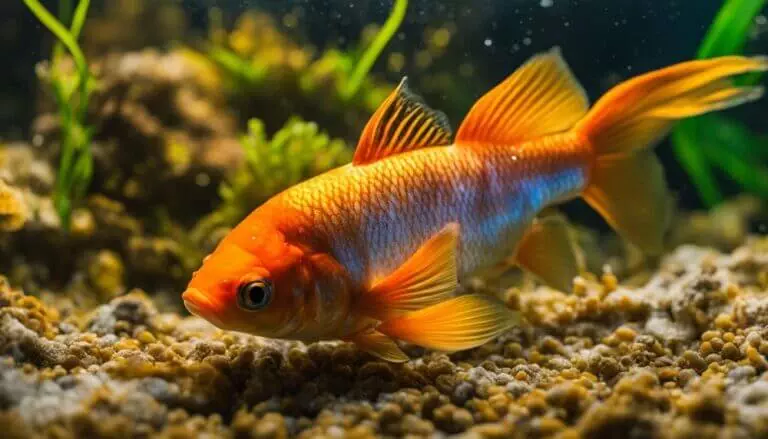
(541, 97)
(403, 122)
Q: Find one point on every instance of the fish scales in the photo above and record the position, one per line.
(377, 215)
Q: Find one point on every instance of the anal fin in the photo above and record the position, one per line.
(379, 345)
(547, 251)
(630, 192)
(461, 323)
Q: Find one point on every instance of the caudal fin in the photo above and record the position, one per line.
(627, 182)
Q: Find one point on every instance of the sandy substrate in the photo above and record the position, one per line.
(683, 355)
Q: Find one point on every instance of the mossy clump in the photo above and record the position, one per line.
(296, 152)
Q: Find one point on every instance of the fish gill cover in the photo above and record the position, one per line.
(149, 128)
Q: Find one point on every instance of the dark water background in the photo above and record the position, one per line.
(604, 41)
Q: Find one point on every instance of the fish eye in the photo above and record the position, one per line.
(254, 295)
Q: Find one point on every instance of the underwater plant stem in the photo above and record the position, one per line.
(76, 162)
(79, 18)
(64, 35)
(65, 15)
(369, 56)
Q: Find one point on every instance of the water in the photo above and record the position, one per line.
(195, 112)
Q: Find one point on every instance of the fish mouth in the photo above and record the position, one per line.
(199, 304)
(194, 298)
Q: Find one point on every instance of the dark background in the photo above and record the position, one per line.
(604, 41)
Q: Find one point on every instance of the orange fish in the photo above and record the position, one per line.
(372, 251)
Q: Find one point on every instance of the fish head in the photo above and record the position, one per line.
(251, 283)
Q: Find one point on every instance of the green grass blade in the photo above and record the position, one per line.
(697, 142)
(79, 18)
(76, 163)
(241, 69)
(687, 146)
(364, 65)
(736, 137)
(65, 14)
(752, 177)
(58, 29)
(729, 32)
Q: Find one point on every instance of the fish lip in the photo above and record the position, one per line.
(193, 305)
(192, 308)
(198, 303)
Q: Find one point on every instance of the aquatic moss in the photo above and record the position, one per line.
(296, 152)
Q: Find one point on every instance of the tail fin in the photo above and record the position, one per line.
(627, 182)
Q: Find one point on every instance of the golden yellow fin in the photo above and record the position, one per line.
(379, 345)
(460, 323)
(427, 277)
(547, 251)
(627, 184)
(403, 122)
(638, 112)
(541, 97)
(631, 194)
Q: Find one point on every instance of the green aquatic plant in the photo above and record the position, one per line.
(71, 94)
(296, 152)
(351, 84)
(253, 52)
(709, 143)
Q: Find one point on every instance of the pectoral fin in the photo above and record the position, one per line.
(426, 278)
(461, 323)
(379, 345)
(547, 251)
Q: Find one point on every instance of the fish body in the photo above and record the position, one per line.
(372, 218)
(373, 251)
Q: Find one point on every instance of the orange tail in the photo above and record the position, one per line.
(627, 182)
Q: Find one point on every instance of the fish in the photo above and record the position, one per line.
(372, 252)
